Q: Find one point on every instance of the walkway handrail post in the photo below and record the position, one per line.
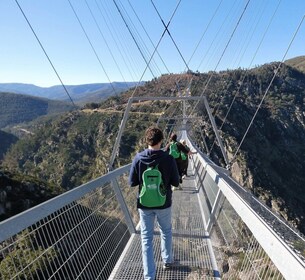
(119, 136)
(215, 210)
(206, 104)
(123, 205)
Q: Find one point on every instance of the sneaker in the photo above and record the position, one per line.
(183, 176)
(167, 266)
(174, 188)
(170, 265)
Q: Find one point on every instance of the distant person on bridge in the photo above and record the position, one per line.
(175, 149)
(185, 158)
(154, 157)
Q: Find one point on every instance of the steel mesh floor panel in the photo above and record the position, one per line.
(189, 243)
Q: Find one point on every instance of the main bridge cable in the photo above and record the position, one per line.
(155, 50)
(134, 39)
(204, 32)
(233, 32)
(154, 65)
(93, 49)
(166, 30)
(108, 22)
(105, 41)
(47, 56)
(148, 36)
(245, 74)
(267, 90)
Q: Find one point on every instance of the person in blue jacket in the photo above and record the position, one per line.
(153, 156)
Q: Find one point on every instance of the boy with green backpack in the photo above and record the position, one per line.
(154, 171)
(176, 150)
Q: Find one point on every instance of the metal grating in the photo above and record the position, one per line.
(189, 243)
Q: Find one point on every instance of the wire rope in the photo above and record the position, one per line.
(112, 30)
(166, 29)
(133, 37)
(162, 35)
(105, 41)
(231, 36)
(246, 43)
(246, 71)
(92, 47)
(217, 33)
(154, 66)
(46, 54)
(204, 32)
(148, 36)
(245, 74)
(267, 89)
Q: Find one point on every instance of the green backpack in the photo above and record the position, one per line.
(173, 150)
(153, 192)
(183, 156)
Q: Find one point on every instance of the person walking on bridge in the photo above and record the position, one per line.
(153, 157)
(175, 149)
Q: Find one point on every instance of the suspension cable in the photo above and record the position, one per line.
(47, 56)
(152, 55)
(166, 29)
(134, 39)
(92, 47)
(204, 32)
(148, 36)
(108, 22)
(254, 56)
(232, 34)
(105, 41)
(267, 90)
(137, 35)
(246, 72)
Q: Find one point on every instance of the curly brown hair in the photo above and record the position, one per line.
(153, 135)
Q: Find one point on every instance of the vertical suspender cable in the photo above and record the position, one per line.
(92, 47)
(235, 28)
(242, 81)
(267, 90)
(134, 39)
(43, 49)
(166, 29)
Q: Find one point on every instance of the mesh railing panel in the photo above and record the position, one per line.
(81, 240)
(238, 253)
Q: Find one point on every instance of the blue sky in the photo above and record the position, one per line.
(116, 57)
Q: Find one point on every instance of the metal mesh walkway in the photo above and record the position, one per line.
(190, 248)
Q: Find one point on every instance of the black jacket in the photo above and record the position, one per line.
(166, 165)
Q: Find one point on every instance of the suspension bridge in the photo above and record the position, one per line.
(220, 230)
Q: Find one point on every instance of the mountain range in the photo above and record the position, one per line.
(79, 93)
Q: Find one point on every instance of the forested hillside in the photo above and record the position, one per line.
(18, 108)
(6, 140)
(19, 192)
(77, 146)
(297, 62)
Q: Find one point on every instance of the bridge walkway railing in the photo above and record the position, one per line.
(219, 229)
